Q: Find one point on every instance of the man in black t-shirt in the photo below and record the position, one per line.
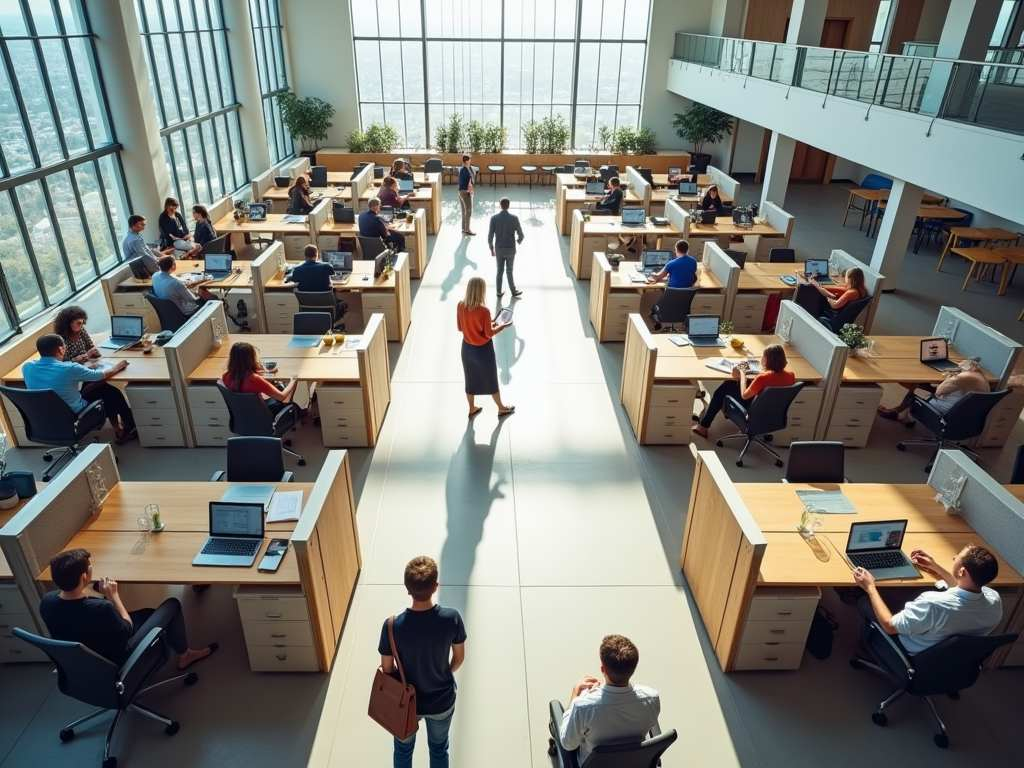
(96, 617)
(430, 641)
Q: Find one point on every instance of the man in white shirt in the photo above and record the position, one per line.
(615, 711)
(167, 286)
(967, 607)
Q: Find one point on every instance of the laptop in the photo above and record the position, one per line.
(387, 212)
(633, 217)
(125, 330)
(877, 547)
(702, 330)
(707, 217)
(740, 257)
(817, 268)
(687, 188)
(342, 263)
(217, 265)
(655, 261)
(236, 535)
(257, 212)
(595, 188)
(405, 186)
(343, 214)
(935, 354)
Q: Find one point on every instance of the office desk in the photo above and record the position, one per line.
(274, 225)
(413, 227)
(975, 235)
(981, 257)
(278, 196)
(660, 180)
(575, 198)
(660, 383)
(724, 229)
(240, 277)
(14, 612)
(320, 363)
(870, 199)
(660, 195)
(142, 366)
(896, 359)
(593, 235)
(613, 296)
(757, 581)
(426, 198)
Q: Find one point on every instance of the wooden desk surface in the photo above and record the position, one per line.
(934, 212)
(983, 255)
(279, 346)
(691, 362)
(274, 223)
(361, 280)
(406, 226)
(663, 194)
(579, 195)
(724, 226)
(661, 180)
(320, 363)
(141, 366)
(982, 233)
(876, 195)
(707, 280)
(241, 278)
(422, 194)
(612, 225)
(765, 276)
(896, 359)
(316, 193)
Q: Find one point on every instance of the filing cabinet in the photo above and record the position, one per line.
(342, 416)
(669, 417)
(210, 417)
(854, 414)
(277, 628)
(617, 311)
(156, 415)
(280, 307)
(1001, 421)
(134, 303)
(748, 312)
(776, 629)
(802, 417)
(387, 305)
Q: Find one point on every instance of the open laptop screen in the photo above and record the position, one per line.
(595, 187)
(340, 260)
(884, 535)
(217, 262)
(687, 188)
(817, 267)
(934, 349)
(126, 326)
(406, 185)
(702, 325)
(657, 258)
(633, 216)
(230, 519)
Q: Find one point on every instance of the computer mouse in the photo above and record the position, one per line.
(789, 279)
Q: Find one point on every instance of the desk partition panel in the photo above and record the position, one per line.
(268, 264)
(639, 358)
(318, 217)
(780, 220)
(360, 183)
(972, 338)
(873, 281)
(298, 167)
(17, 351)
(639, 186)
(263, 182)
(221, 208)
(374, 375)
(718, 263)
(726, 184)
(677, 216)
(189, 347)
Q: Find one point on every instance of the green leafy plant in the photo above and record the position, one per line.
(450, 136)
(852, 335)
(701, 125)
(604, 137)
(495, 138)
(623, 139)
(356, 141)
(532, 137)
(476, 135)
(554, 135)
(441, 138)
(645, 142)
(307, 119)
(380, 138)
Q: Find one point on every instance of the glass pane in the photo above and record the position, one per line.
(364, 24)
(608, 73)
(586, 91)
(43, 18)
(200, 88)
(164, 79)
(368, 67)
(74, 20)
(636, 19)
(96, 216)
(390, 68)
(44, 132)
(15, 262)
(411, 26)
(179, 157)
(218, 185)
(15, 143)
(44, 241)
(65, 97)
(87, 83)
(235, 135)
(612, 19)
(590, 19)
(11, 20)
(110, 172)
(69, 218)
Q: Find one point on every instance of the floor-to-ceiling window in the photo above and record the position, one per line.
(190, 74)
(268, 39)
(507, 61)
(62, 198)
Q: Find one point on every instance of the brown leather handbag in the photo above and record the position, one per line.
(393, 701)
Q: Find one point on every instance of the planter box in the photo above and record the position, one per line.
(343, 160)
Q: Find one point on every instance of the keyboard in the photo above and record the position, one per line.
(241, 547)
(874, 560)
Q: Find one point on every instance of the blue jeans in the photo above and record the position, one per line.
(437, 741)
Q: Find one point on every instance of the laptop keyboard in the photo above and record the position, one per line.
(241, 547)
(874, 560)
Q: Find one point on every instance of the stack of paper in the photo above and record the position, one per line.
(285, 507)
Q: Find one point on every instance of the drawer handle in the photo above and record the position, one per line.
(281, 656)
(783, 613)
(770, 658)
(279, 636)
(778, 631)
(273, 615)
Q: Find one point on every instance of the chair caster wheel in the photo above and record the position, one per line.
(720, 444)
(173, 728)
(739, 463)
(301, 462)
(941, 740)
(66, 734)
(778, 462)
(879, 718)
(46, 478)
(551, 748)
(191, 678)
(110, 762)
(900, 447)
(47, 457)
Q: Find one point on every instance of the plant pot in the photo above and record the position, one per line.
(701, 160)
(310, 153)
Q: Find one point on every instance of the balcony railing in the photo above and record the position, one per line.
(987, 94)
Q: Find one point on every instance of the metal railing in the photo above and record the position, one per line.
(987, 94)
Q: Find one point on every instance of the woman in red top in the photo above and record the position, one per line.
(243, 375)
(478, 361)
(838, 296)
(773, 374)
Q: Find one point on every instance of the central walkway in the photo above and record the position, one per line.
(545, 535)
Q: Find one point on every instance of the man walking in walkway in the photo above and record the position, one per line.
(505, 233)
(467, 181)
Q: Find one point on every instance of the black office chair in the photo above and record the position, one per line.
(254, 460)
(50, 421)
(782, 256)
(249, 416)
(673, 307)
(834, 321)
(816, 461)
(767, 413)
(608, 172)
(1017, 476)
(312, 323)
(966, 419)
(171, 318)
(626, 754)
(433, 165)
(321, 302)
(220, 244)
(947, 667)
(371, 247)
(90, 678)
(739, 257)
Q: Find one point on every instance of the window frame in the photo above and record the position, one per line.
(266, 32)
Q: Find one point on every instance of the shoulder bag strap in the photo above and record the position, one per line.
(394, 649)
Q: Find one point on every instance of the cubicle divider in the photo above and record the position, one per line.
(128, 302)
(727, 185)
(270, 262)
(318, 217)
(360, 183)
(300, 166)
(263, 182)
(374, 376)
(677, 217)
(639, 186)
(639, 358)
(874, 282)
(726, 271)
(720, 530)
(778, 219)
(221, 208)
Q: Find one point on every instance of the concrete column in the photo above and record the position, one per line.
(965, 35)
(806, 21)
(933, 16)
(778, 169)
(136, 124)
(247, 85)
(894, 232)
(727, 18)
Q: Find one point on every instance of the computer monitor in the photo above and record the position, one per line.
(740, 257)
(702, 325)
(232, 519)
(406, 185)
(126, 326)
(687, 188)
(656, 259)
(257, 212)
(633, 215)
(934, 349)
(318, 176)
(387, 212)
(646, 174)
(816, 267)
(217, 262)
(595, 187)
(340, 260)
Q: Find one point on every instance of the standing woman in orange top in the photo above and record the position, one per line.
(478, 361)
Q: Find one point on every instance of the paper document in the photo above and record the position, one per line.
(827, 502)
(504, 317)
(637, 277)
(285, 507)
(102, 365)
(293, 218)
(725, 365)
(679, 340)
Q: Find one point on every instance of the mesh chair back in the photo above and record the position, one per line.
(847, 314)
(966, 419)
(371, 247)
(769, 412)
(255, 459)
(48, 419)
(316, 301)
(646, 754)
(311, 323)
(318, 176)
(433, 165)
(953, 664)
(171, 318)
(816, 461)
(782, 256)
(674, 305)
(1017, 477)
(248, 414)
(81, 673)
(220, 244)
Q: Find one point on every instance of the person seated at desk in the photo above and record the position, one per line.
(611, 203)
(965, 607)
(372, 225)
(681, 271)
(167, 286)
(712, 201)
(54, 371)
(604, 713)
(948, 393)
(400, 169)
(92, 613)
(388, 194)
(852, 288)
(69, 324)
(773, 374)
(299, 201)
(134, 245)
(205, 231)
(174, 231)
(313, 275)
(244, 375)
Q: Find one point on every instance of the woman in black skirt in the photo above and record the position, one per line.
(478, 362)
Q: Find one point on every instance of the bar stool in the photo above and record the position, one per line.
(549, 170)
(528, 172)
(494, 170)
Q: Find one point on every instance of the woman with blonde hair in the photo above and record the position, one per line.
(478, 362)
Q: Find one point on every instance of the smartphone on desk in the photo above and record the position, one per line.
(273, 556)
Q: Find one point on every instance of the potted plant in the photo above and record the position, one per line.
(554, 135)
(450, 136)
(380, 138)
(307, 120)
(476, 134)
(496, 138)
(532, 137)
(852, 335)
(644, 142)
(356, 141)
(701, 125)
(604, 138)
(622, 140)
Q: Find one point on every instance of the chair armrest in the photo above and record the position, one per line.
(131, 675)
(93, 410)
(291, 411)
(927, 413)
(894, 648)
(218, 476)
(288, 476)
(655, 730)
(731, 403)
